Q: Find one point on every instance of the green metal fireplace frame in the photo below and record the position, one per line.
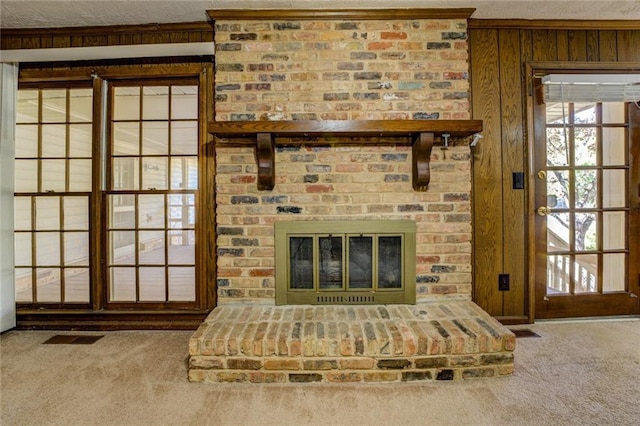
(333, 270)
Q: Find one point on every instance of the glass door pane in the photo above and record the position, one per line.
(586, 191)
(330, 262)
(360, 262)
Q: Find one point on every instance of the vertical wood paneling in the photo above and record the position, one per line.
(487, 176)
(608, 46)
(30, 43)
(61, 41)
(577, 45)
(593, 50)
(562, 39)
(545, 45)
(499, 95)
(629, 46)
(513, 156)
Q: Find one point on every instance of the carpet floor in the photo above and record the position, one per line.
(574, 373)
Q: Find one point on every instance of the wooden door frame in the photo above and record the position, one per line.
(536, 68)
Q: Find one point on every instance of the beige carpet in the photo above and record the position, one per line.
(576, 373)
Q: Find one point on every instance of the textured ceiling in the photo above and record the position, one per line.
(56, 13)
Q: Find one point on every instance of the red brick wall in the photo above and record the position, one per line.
(339, 70)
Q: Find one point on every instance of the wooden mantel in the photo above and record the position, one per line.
(264, 135)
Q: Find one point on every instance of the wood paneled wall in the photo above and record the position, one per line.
(39, 38)
(499, 53)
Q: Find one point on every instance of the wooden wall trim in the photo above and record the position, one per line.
(340, 14)
(523, 24)
(108, 29)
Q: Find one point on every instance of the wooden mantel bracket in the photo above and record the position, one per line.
(266, 159)
(262, 134)
(421, 154)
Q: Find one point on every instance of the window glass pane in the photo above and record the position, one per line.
(301, 263)
(27, 106)
(154, 173)
(182, 248)
(80, 140)
(80, 175)
(558, 188)
(122, 284)
(122, 212)
(80, 105)
(184, 138)
(54, 106)
(54, 141)
(613, 112)
(557, 147)
(126, 139)
(155, 138)
(182, 284)
(586, 231)
(24, 285)
(184, 173)
(584, 112)
(360, 262)
(151, 247)
(122, 247)
(125, 174)
(47, 213)
(614, 147)
(586, 189)
(390, 262)
(613, 231)
(53, 175)
(330, 262)
(26, 175)
(48, 285)
(181, 212)
(613, 276)
(76, 285)
(586, 147)
(152, 286)
(76, 213)
(184, 102)
(585, 273)
(151, 211)
(22, 216)
(126, 103)
(76, 248)
(558, 232)
(558, 274)
(26, 141)
(614, 184)
(155, 103)
(22, 244)
(48, 249)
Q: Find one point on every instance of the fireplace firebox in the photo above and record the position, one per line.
(345, 262)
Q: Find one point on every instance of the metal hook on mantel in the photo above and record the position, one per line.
(476, 139)
(445, 136)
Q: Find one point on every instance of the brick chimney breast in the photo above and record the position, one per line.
(414, 69)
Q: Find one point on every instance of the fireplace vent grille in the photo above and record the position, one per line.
(346, 299)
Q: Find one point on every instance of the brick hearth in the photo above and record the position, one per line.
(446, 340)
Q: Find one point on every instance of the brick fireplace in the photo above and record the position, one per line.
(342, 70)
(382, 65)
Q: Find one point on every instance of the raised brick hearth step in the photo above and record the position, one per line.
(367, 343)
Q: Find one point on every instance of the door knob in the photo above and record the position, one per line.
(543, 210)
